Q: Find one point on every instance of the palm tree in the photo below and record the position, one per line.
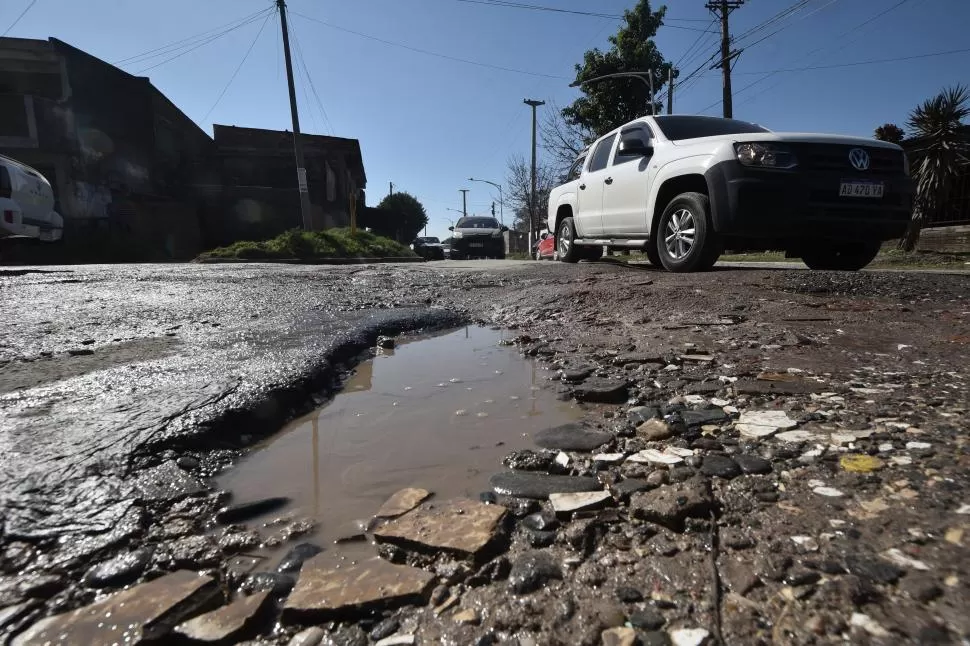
(943, 147)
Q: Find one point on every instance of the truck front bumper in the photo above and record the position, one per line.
(798, 205)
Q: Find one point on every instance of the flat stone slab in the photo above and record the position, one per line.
(226, 623)
(140, 614)
(461, 525)
(539, 485)
(571, 437)
(565, 503)
(797, 386)
(762, 423)
(672, 504)
(330, 590)
(402, 502)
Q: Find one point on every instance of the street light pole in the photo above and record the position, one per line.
(532, 196)
(501, 197)
(464, 201)
(645, 77)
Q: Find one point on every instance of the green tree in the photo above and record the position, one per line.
(890, 132)
(613, 102)
(940, 153)
(406, 213)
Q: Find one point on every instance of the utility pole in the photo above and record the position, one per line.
(390, 191)
(653, 104)
(297, 141)
(464, 201)
(723, 9)
(670, 90)
(532, 195)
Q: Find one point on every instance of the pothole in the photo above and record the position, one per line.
(437, 413)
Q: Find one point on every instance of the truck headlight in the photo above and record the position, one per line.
(456, 234)
(765, 155)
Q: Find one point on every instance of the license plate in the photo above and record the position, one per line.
(475, 244)
(861, 189)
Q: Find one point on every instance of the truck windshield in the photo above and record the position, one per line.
(676, 128)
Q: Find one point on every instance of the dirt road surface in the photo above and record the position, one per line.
(783, 453)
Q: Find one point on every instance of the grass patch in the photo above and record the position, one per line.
(307, 245)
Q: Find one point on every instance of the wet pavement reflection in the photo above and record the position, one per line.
(438, 413)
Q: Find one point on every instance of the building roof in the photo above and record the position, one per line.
(281, 142)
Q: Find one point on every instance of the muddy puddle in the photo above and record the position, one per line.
(438, 413)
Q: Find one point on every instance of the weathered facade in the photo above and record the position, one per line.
(120, 156)
(252, 188)
(136, 179)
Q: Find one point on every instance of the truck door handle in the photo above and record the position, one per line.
(609, 180)
(582, 187)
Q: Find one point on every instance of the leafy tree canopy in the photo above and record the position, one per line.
(408, 216)
(890, 132)
(610, 103)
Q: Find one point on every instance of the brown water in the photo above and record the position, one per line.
(438, 413)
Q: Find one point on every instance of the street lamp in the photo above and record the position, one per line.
(646, 77)
(501, 197)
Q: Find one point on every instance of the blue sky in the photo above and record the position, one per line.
(428, 123)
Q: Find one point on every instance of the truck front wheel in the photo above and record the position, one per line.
(686, 241)
(845, 256)
(565, 245)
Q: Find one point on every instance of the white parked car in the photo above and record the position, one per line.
(683, 188)
(27, 204)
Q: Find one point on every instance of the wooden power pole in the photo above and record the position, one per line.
(532, 194)
(301, 179)
(722, 9)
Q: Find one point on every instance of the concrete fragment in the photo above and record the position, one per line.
(763, 423)
(140, 614)
(672, 504)
(796, 437)
(461, 525)
(564, 503)
(868, 624)
(609, 458)
(402, 502)
(653, 456)
(467, 616)
(654, 430)
(327, 590)
(622, 636)
(167, 483)
(397, 640)
(829, 492)
(898, 557)
(227, 623)
(688, 636)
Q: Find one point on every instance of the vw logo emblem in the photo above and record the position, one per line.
(859, 159)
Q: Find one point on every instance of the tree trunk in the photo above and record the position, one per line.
(911, 238)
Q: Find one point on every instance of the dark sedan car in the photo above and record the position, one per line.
(477, 237)
(429, 248)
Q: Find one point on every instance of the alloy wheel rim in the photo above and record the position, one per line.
(564, 241)
(679, 234)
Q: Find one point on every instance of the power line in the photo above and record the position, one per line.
(592, 14)
(786, 26)
(171, 47)
(875, 61)
(306, 72)
(711, 29)
(427, 52)
(238, 67)
(22, 14)
(196, 46)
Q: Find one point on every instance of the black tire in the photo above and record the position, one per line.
(685, 240)
(846, 256)
(591, 254)
(652, 254)
(501, 256)
(568, 251)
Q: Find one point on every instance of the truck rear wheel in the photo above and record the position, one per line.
(845, 256)
(652, 254)
(686, 241)
(565, 245)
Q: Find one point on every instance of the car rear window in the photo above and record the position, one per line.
(477, 223)
(677, 128)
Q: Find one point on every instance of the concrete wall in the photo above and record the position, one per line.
(954, 239)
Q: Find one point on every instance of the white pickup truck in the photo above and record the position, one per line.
(684, 188)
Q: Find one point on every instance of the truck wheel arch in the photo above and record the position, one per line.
(671, 188)
(564, 211)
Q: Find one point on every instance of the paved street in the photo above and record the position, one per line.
(109, 372)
